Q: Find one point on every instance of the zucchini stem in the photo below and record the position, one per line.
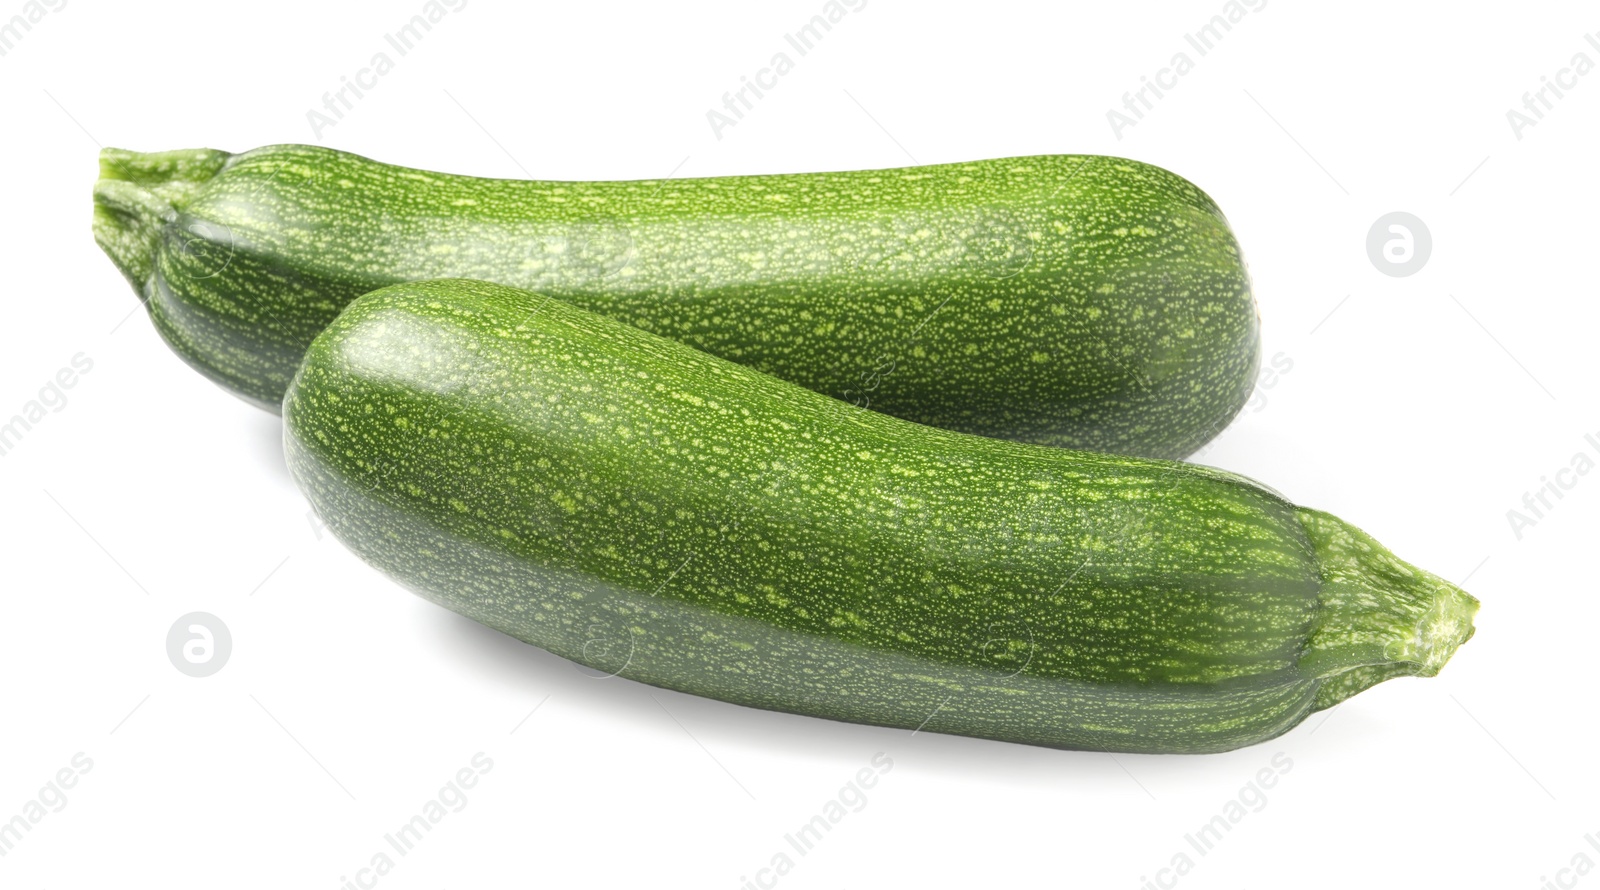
(1380, 616)
(138, 194)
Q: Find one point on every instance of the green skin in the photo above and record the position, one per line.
(648, 510)
(1079, 301)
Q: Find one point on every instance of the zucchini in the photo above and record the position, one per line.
(645, 509)
(1087, 302)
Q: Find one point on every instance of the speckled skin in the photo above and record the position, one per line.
(1079, 301)
(649, 510)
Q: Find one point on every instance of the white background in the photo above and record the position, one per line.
(1420, 408)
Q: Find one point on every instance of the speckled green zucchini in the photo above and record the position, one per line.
(1086, 302)
(651, 511)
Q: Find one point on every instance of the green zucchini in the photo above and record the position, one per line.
(648, 510)
(1087, 302)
